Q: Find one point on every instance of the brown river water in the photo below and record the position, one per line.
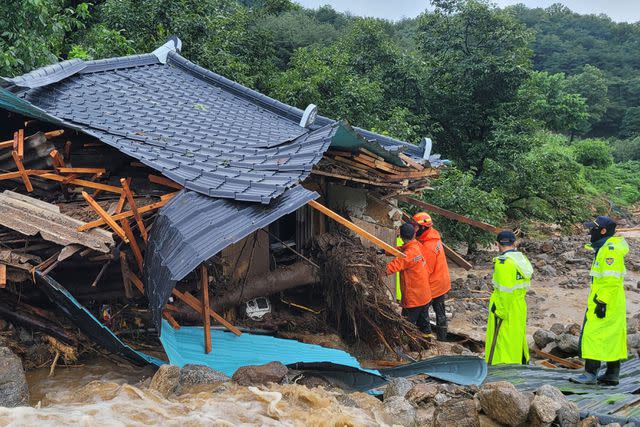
(104, 394)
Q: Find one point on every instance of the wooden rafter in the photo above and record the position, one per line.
(81, 183)
(164, 181)
(22, 171)
(18, 142)
(132, 243)
(105, 216)
(3, 275)
(134, 208)
(167, 315)
(204, 287)
(122, 200)
(127, 214)
(351, 226)
(98, 171)
(195, 304)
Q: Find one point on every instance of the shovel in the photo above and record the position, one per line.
(495, 339)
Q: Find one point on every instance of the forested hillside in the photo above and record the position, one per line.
(539, 109)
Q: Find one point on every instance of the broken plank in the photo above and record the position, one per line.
(204, 285)
(19, 143)
(3, 275)
(81, 183)
(53, 133)
(167, 315)
(426, 173)
(164, 181)
(351, 226)
(566, 363)
(136, 282)
(108, 219)
(126, 276)
(134, 209)
(82, 170)
(457, 258)
(360, 180)
(127, 214)
(22, 170)
(122, 200)
(132, 243)
(449, 214)
(193, 302)
(370, 154)
(409, 161)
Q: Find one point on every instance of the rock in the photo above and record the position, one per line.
(13, 384)
(542, 337)
(547, 247)
(543, 411)
(422, 392)
(568, 414)
(569, 344)
(488, 422)
(192, 375)
(633, 340)
(425, 417)
(574, 329)
(441, 399)
(503, 403)
(566, 256)
(590, 421)
(166, 380)
(272, 372)
(399, 411)
(457, 413)
(613, 425)
(557, 328)
(548, 270)
(4, 325)
(397, 387)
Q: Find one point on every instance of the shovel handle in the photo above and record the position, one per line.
(495, 338)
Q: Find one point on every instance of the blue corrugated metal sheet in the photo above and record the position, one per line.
(622, 400)
(192, 228)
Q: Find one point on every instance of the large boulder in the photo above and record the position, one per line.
(273, 372)
(398, 411)
(397, 387)
(569, 344)
(543, 337)
(13, 384)
(543, 411)
(568, 414)
(166, 380)
(457, 413)
(193, 375)
(502, 402)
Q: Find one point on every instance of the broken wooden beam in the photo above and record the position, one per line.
(566, 363)
(3, 275)
(172, 321)
(137, 254)
(18, 143)
(164, 181)
(23, 173)
(82, 170)
(108, 219)
(410, 162)
(351, 226)
(134, 209)
(457, 258)
(449, 214)
(204, 285)
(193, 302)
(81, 183)
(127, 214)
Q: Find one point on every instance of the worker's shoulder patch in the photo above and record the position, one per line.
(610, 261)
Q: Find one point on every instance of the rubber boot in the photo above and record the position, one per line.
(590, 374)
(441, 333)
(612, 374)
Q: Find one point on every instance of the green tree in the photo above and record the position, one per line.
(591, 84)
(631, 123)
(478, 57)
(593, 152)
(33, 32)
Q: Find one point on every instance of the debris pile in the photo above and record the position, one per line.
(361, 306)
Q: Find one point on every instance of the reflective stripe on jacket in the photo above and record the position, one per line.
(606, 339)
(399, 244)
(433, 251)
(414, 276)
(512, 273)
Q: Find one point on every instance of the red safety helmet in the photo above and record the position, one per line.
(423, 218)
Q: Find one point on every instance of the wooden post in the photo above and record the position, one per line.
(105, 216)
(133, 243)
(3, 275)
(193, 302)
(126, 281)
(204, 280)
(134, 208)
(351, 226)
(23, 172)
(19, 143)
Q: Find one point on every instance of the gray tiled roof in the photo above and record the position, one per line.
(206, 132)
(192, 228)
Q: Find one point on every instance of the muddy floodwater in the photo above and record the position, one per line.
(104, 394)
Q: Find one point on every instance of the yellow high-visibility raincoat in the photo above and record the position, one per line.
(399, 244)
(606, 339)
(512, 273)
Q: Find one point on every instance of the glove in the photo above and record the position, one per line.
(497, 312)
(601, 309)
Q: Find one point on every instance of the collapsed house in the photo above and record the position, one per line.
(150, 176)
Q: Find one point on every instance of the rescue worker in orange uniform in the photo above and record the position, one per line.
(414, 280)
(439, 279)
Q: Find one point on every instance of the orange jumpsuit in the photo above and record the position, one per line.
(414, 275)
(433, 251)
